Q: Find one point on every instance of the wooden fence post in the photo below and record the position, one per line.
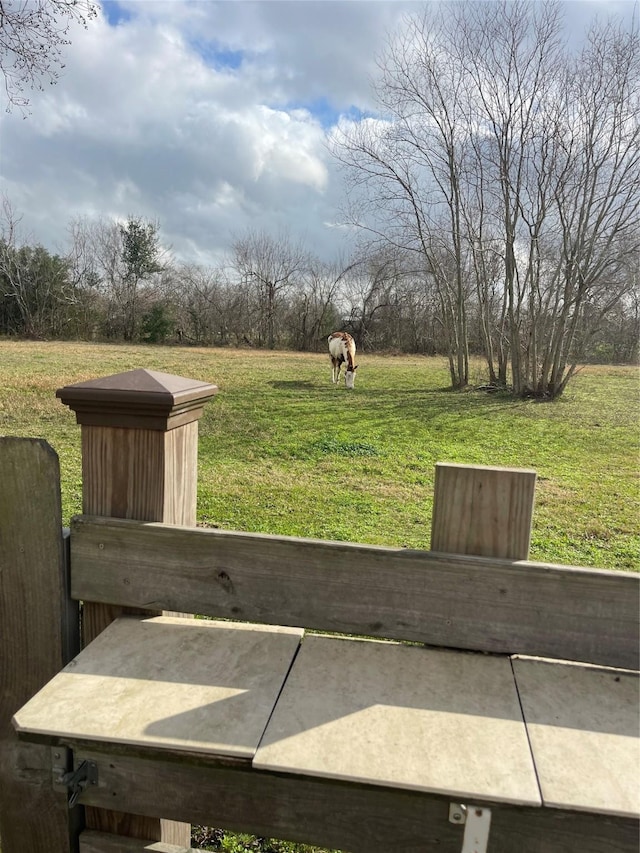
(38, 624)
(483, 511)
(139, 460)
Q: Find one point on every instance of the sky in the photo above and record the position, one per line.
(210, 118)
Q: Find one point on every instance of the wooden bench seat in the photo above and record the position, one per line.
(468, 726)
(188, 685)
(403, 716)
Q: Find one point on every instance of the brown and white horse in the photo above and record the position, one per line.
(342, 350)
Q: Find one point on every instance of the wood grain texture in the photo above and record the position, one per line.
(123, 472)
(483, 511)
(443, 600)
(344, 816)
(144, 474)
(180, 475)
(34, 639)
(149, 475)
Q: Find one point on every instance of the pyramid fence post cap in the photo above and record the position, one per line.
(137, 399)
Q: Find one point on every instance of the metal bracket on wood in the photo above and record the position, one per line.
(477, 823)
(66, 778)
(61, 763)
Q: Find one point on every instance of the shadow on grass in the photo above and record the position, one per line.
(430, 404)
(374, 407)
(292, 384)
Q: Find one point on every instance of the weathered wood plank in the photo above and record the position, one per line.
(34, 638)
(344, 816)
(482, 510)
(583, 724)
(434, 720)
(444, 600)
(182, 684)
(92, 841)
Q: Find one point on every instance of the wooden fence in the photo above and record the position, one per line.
(458, 739)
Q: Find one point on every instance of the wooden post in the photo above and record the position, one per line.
(483, 511)
(139, 460)
(37, 624)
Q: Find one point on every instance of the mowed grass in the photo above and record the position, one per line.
(284, 451)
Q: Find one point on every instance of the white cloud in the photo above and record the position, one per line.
(210, 117)
(149, 119)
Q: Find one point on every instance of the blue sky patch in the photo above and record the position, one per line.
(324, 111)
(217, 56)
(115, 13)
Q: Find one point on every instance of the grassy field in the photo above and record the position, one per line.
(284, 451)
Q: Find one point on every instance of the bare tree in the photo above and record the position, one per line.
(211, 310)
(123, 262)
(369, 295)
(272, 265)
(596, 199)
(406, 174)
(36, 291)
(33, 34)
(512, 168)
(512, 56)
(313, 311)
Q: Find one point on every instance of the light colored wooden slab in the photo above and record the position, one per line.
(584, 727)
(167, 682)
(404, 716)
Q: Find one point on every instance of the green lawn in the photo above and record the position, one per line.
(284, 451)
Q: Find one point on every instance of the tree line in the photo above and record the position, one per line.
(117, 283)
(496, 195)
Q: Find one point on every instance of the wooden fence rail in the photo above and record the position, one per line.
(490, 605)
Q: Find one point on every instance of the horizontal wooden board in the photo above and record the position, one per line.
(444, 600)
(405, 716)
(348, 817)
(170, 683)
(584, 726)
